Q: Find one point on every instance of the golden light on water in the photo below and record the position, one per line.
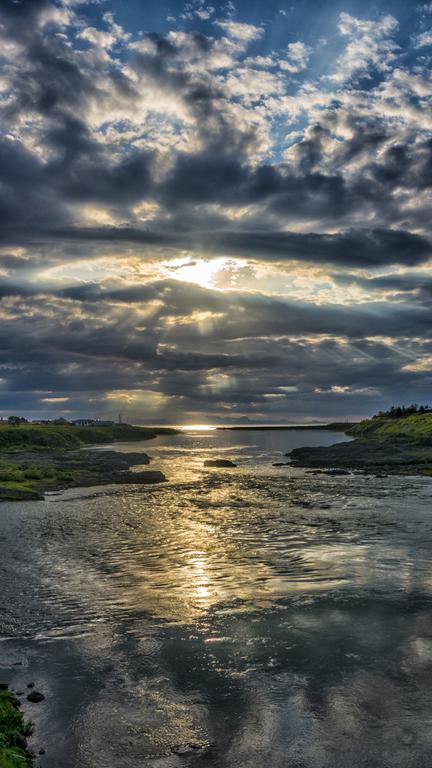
(201, 583)
(197, 427)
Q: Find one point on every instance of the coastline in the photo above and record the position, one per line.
(400, 446)
(37, 460)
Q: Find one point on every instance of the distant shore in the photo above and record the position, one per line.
(336, 426)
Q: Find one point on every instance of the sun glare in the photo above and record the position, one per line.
(199, 271)
(197, 428)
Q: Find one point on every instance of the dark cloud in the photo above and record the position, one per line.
(353, 248)
(88, 353)
(396, 281)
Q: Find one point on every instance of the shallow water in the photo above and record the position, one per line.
(279, 616)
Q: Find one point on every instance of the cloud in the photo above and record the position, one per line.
(352, 248)
(370, 45)
(297, 57)
(123, 151)
(424, 39)
(241, 31)
(143, 338)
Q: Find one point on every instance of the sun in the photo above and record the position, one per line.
(199, 271)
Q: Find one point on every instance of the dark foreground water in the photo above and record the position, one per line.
(283, 618)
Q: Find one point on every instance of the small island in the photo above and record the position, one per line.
(39, 457)
(397, 441)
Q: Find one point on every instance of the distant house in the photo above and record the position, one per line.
(92, 423)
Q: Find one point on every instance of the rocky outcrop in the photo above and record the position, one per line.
(369, 456)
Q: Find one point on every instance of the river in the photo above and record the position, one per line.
(245, 617)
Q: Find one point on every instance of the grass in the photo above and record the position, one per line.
(27, 476)
(63, 437)
(32, 477)
(415, 429)
(19, 473)
(13, 729)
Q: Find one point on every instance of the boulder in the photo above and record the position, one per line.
(35, 697)
(145, 477)
(219, 463)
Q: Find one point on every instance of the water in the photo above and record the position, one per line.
(279, 616)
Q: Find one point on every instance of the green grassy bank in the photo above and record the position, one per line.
(415, 428)
(13, 734)
(63, 437)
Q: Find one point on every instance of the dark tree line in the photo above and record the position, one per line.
(17, 420)
(397, 411)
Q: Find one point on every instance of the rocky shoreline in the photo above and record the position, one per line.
(367, 455)
(45, 472)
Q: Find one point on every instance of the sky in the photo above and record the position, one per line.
(213, 212)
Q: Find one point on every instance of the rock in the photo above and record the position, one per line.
(41, 751)
(281, 464)
(219, 463)
(30, 685)
(4, 686)
(372, 456)
(145, 477)
(35, 697)
(102, 461)
(189, 750)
